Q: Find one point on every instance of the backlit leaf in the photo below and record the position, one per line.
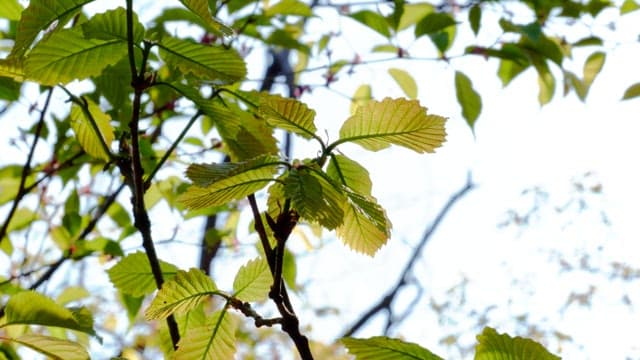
(632, 91)
(402, 122)
(12, 68)
(592, 67)
(384, 348)
(546, 81)
(468, 98)
(89, 137)
(508, 70)
(53, 348)
(112, 24)
(38, 16)
(628, 6)
(405, 81)
(10, 10)
(215, 341)
(201, 9)
(132, 274)
(475, 15)
(32, 308)
(365, 227)
(372, 20)
(494, 346)
(253, 281)
(413, 13)
(433, 23)
(289, 7)
(360, 97)
(66, 55)
(208, 63)
(181, 294)
(289, 114)
(218, 184)
(349, 173)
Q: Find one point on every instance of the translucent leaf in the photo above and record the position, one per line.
(32, 308)
(112, 25)
(632, 91)
(66, 55)
(209, 342)
(88, 136)
(413, 13)
(288, 114)
(628, 6)
(475, 15)
(11, 10)
(360, 97)
(349, 173)
(38, 16)
(181, 294)
(289, 7)
(546, 81)
(379, 124)
(365, 227)
(384, 348)
(494, 346)
(253, 281)
(53, 348)
(208, 63)
(372, 20)
(218, 184)
(468, 98)
(201, 9)
(132, 275)
(12, 68)
(592, 67)
(315, 197)
(433, 23)
(508, 70)
(406, 82)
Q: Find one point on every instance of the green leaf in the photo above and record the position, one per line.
(628, 6)
(288, 114)
(289, 7)
(201, 9)
(475, 15)
(379, 124)
(405, 81)
(314, 196)
(66, 55)
(253, 281)
(132, 274)
(494, 346)
(588, 41)
(546, 81)
(413, 13)
(349, 173)
(433, 23)
(32, 308)
(360, 97)
(384, 348)
(12, 68)
(112, 25)
(38, 16)
(468, 98)
(88, 136)
(214, 341)
(218, 184)
(365, 227)
(372, 20)
(53, 348)
(11, 10)
(592, 67)
(208, 63)
(632, 91)
(508, 70)
(181, 294)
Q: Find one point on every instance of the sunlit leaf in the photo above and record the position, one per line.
(405, 81)
(112, 24)
(546, 81)
(10, 10)
(509, 70)
(32, 308)
(413, 13)
(213, 341)
(632, 91)
(53, 348)
(38, 16)
(132, 274)
(66, 55)
(201, 9)
(372, 20)
(218, 184)
(12, 68)
(494, 346)
(89, 137)
(181, 294)
(288, 7)
(468, 98)
(384, 348)
(475, 15)
(628, 6)
(360, 97)
(378, 124)
(253, 281)
(592, 67)
(289, 114)
(349, 173)
(365, 227)
(208, 63)
(433, 23)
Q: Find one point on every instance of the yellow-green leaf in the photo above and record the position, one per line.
(181, 294)
(494, 346)
(360, 97)
(405, 81)
(546, 81)
(215, 341)
(208, 63)
(365, 227)
(132, 274)
(632, 91)
(91, 138)
(592, 67)
(628, 6)
(384, 348)
(53, 348)
(373, 20)
(468, 98)
(253, 281)
(402, 122)
(12, 68)
(201, 9)
(289, 7)
(112, 24)
(66, 55)
(413, 13)
(349, 173)
(289, 114)
(10, 10)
